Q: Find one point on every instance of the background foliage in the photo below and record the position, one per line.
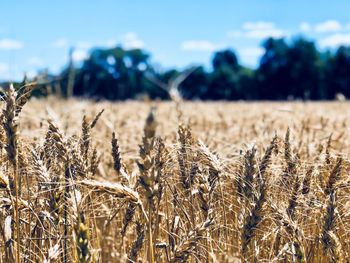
(287, 70)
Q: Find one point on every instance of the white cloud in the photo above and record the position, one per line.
(60, 43)
(328, 26)
(130, 41)
(305, 27)
(10, 44)
(335, 40)
(80, 54)
(35, 62)
(264, 33)
(259, 25)
(198, 45)
(258, 30)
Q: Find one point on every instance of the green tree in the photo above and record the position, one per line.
(272, 73)
(195, 86)
(224, 80)
(337, 73)
(293, 70)
(305, 69)
(113, 73)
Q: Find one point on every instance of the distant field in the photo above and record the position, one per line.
(226, 127)
(213, 182)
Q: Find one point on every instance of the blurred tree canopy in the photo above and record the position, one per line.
(287, 70)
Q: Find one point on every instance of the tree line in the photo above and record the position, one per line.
(286, 70)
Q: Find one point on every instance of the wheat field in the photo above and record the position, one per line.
(173, 181)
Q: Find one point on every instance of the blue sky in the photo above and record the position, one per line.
(37, 34)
